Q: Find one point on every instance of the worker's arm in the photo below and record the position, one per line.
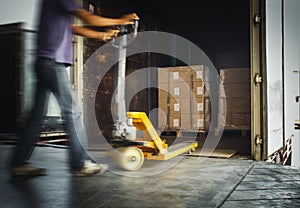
(104, 36)
(95, 20)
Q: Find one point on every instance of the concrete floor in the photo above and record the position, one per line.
(182, 182)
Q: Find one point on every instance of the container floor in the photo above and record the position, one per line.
(182, 182)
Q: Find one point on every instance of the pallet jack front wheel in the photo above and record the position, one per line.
(129, 158)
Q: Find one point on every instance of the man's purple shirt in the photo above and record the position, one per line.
(55, 32)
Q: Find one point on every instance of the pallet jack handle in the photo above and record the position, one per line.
(123, 128)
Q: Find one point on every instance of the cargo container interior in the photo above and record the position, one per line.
(220, 28)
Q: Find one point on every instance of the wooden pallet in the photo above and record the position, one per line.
(181, 133)
(244, 130)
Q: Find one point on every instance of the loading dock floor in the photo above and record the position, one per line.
(191, 182)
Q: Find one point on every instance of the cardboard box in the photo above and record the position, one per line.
(164, 105)
(163, 75)
(180, 74)
(181, 89)
(180, 105)
(163, 90)
(198, 121)
(179, 121)
(199, 73)
(234, 105)
(235, 90)
(235, 75)
(198, 88)
(197, 105)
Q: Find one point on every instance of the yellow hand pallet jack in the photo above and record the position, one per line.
(130, 154)
(131, 151)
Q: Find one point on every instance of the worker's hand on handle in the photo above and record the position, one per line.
(86, 32)
(108, 35)
(129, 18)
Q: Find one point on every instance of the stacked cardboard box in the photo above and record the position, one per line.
(235, 99)
(182, 97)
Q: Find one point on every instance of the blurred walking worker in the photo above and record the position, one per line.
(54, 54)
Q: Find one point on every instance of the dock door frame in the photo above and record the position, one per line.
(257, 85)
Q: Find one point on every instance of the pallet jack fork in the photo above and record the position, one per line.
(131, 154)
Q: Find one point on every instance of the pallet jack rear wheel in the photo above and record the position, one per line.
(130, 158)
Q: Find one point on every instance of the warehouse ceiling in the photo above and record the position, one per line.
(214, 25)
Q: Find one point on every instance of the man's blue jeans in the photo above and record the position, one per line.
(53, 77)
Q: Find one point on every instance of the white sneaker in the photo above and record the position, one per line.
(28, 169)
(90, 168)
